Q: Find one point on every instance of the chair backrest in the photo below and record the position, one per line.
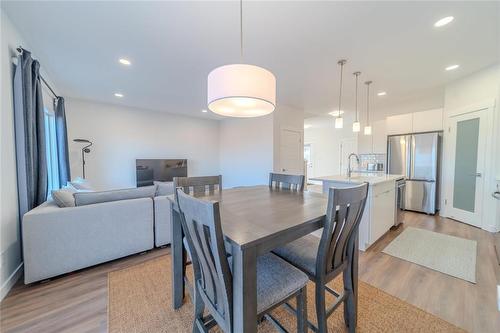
(199, 185)
(202, 226)
(344, 212)
(289, 182)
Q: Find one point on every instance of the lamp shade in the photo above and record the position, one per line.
(368, 130)
(339, 122)
(241, 90)
(356, 126)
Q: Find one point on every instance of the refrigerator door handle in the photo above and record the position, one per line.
(409, 157)
(412, 156)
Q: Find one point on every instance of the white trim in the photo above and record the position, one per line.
(11, 281)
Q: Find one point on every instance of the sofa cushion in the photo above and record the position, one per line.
(64, 196)
(164, 188)
(89, 198)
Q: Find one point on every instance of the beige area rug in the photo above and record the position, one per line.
(447, 254)
(140, 302)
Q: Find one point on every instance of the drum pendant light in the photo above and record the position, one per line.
(356, 126)
(339, 121)
(368, 128)
(241, 90)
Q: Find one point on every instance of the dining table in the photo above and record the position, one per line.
(255, 220)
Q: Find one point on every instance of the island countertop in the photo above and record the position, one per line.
(357, 178)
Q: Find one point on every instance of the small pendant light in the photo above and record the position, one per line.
(356, 126)
(339, 121)
(368, 128)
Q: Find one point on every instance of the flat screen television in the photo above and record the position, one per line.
(149, 170)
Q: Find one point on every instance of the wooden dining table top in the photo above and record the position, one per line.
(253, 215)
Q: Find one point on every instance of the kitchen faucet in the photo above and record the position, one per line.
(349, 169)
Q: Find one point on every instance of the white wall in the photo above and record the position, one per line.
(325, 141)
(482, 87)
(121, 135)
(246, 151)
(10, 231)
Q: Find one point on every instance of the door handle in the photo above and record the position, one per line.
(496, 195)
(479, 174)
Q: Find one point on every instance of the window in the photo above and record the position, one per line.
(51, 150)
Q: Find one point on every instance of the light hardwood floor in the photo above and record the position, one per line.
(78, 302)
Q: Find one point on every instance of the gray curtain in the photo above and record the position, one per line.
(62, 141)
(29, 133)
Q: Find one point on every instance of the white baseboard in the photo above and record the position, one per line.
(490, 228)
(11, 281)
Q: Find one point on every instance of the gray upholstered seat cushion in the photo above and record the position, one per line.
(164, 188)
(301, 253)
(276, 281)
(89, 198)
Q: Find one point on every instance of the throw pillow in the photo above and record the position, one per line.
(89, 198)
(164, 188)
(64, 197)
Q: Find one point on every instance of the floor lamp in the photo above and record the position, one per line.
(85, 150)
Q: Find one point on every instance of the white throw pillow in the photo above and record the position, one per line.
(64, 196)
(164, 188)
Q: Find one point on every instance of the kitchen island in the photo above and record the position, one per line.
(380, 210)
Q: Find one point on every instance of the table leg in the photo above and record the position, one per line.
(178, 260)
(244, 290)
(351, 285)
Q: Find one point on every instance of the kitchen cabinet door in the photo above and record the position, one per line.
(382, 219)
(427, 121)
(400, 124)
(379, 132)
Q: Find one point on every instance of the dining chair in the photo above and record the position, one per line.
(323, 259)
(284, 181)
(199, 185)
(277, 281)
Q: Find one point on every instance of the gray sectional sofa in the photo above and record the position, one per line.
(59, 240)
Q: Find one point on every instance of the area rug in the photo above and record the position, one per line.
(140, 301)
(447, 254)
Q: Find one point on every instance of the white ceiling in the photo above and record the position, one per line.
(174, 45)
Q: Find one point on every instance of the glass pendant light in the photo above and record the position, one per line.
(356, 126)
(368, 128)
(241, 90)
(339, 121)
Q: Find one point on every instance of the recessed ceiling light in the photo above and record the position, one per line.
(307, 126)
(452, 67)
(336, 113)
(118, 95)
(124, 61)
(443, 21)
(204, 111)
(382, 93)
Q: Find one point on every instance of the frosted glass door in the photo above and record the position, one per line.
(464, 187)
(467, 144)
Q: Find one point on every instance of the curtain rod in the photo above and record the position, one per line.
(20, 50)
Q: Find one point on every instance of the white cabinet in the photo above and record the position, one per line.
(400, 124)
(375, 143)
(379, 132)
(382, 217)
(427, 121)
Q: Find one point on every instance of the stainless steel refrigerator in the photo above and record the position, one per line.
(417, 157)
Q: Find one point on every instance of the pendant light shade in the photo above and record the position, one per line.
(368, 130)
(339, 122)
(356, 126)
(241, 90)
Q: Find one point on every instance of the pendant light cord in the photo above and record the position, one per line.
(356, 101)
(368, 102)
(241, 30)
(341, 63)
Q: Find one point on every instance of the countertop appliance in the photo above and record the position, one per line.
(400, 201)
(417, 157)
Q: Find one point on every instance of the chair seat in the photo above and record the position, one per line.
(301, 253)
(276, 281)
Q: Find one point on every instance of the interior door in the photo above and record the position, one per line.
(467, 144)
(291, 152)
